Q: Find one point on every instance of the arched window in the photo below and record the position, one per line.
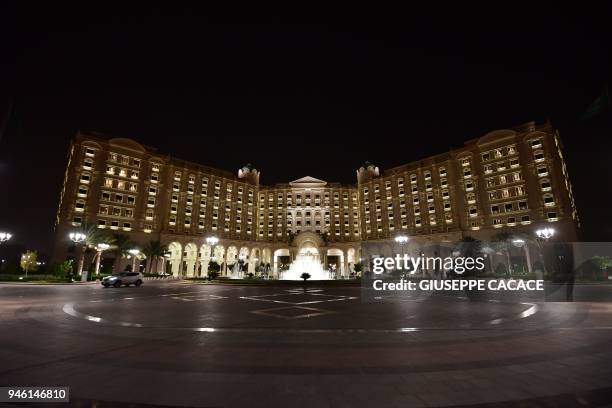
(545, 185)
(538, 156)
(549, 200)
(80, 205)
(88, 164)
(83, 191)
(542, 171)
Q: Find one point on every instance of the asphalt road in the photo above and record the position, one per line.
(177, 344)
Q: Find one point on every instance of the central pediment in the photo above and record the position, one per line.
(308, 182)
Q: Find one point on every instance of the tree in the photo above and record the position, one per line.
(93, 236)
(502, 242)
(121, 245)
(358, 268)
(469, 247)
(153, 250)
(28, 261)
(61, 269)
(305, 276)
(214, 268)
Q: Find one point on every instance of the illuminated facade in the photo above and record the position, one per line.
(512, 179)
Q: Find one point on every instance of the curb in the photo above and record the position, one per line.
(49, 283)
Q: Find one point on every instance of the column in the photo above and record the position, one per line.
(196, 266)
(528, 257)
(180, 262)
(324, 260)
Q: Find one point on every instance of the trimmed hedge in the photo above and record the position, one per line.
(32, 278)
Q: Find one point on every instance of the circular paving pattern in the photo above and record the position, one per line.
(225, 345)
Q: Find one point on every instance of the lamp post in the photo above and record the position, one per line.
(79, 239)
(212, 241)
(543, 235)
(4, 236)
(402, 240)
(101, 247)
(135, 253)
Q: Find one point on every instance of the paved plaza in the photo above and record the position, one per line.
(179, 344)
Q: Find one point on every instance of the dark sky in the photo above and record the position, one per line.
(295, 97)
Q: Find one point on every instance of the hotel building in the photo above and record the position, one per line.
(512, 180)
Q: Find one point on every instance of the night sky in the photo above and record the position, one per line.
(295, 97)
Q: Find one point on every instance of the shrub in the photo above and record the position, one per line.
(501, 270)
(62, 269)
(32, 278)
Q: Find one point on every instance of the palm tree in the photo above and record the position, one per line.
(103, 238)
(93, 236)
(121, 245)
(470, 247)
(502, 242)
(153, 251)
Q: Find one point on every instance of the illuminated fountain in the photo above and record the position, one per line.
(235, 272)
(307, 260)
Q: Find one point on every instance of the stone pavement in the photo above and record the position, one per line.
(176, 344)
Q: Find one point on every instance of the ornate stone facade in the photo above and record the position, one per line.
(513, 179)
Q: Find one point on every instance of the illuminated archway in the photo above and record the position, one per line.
(335, 262)
(189, 259)
(176, 253)
(204, 259)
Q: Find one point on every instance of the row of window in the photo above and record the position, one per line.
(501, 166)
(509, 207)
(116, 211)
(122, 172)
(120, 185)
(125, 160)
(503, 179)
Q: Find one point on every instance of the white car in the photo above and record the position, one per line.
(123, 278)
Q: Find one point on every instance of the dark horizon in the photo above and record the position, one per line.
(294, 100)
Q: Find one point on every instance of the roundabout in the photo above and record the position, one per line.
(228, 345)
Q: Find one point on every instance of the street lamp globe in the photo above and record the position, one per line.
(545, 233)
(134, 252)
(4, 236)
(77, 237)
(102, 246)
(212, 240)
(401, 239)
